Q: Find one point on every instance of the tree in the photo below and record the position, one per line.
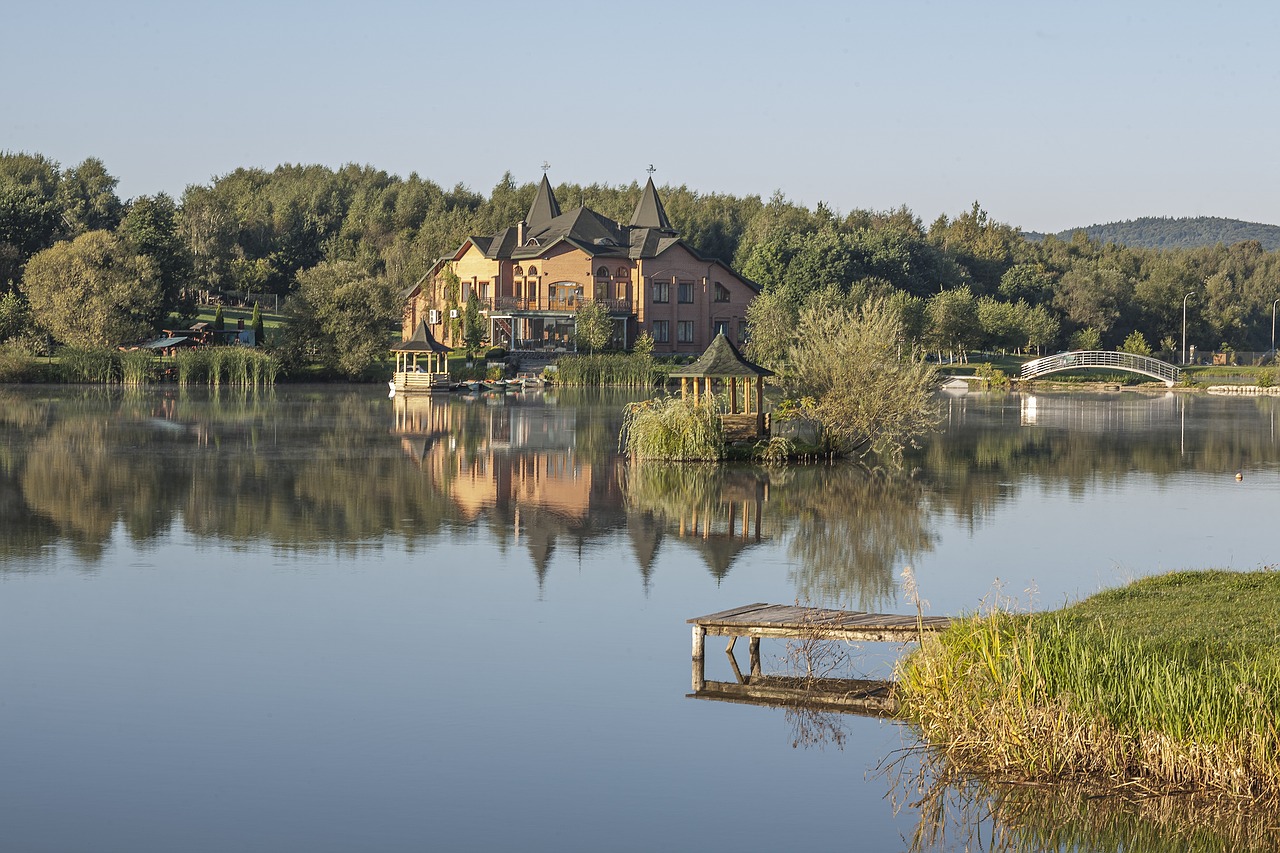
(771, 321)
(151, 227)
(474, 333)
(342, 316)
(868, 400)
(953, 321)
(29, 210)
(1137, 344)
(256, 324)
(219, 321)
(1087, 338)
(593, 327)
(87, 196)
(93, 291)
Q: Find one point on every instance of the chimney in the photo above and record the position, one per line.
(520, 233)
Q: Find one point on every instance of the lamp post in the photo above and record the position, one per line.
(1273, 327)
(1184, 325)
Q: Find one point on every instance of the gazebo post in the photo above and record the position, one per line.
(760, 405)
(684, 387)
(733, 396)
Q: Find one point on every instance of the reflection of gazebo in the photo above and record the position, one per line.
(412, 377)
(723, 362)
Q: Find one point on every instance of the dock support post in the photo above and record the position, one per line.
(755, 655)
(699, 665)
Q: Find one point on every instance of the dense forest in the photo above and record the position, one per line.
(81, 266)
(1188, 232)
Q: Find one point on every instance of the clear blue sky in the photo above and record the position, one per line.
(1050, 115)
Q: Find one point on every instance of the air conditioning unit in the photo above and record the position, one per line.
(433, 317)
(453, 313)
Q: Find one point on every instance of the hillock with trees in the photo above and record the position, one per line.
(319, 237)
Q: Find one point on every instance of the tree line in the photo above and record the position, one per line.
(80, 266)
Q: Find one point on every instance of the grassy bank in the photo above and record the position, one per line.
(1169, 684)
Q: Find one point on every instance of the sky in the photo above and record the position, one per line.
(1049, 115)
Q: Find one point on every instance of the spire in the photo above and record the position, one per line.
(649, 212)
(544, 208)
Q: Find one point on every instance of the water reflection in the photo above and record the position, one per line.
(958, 812)
(342, 469)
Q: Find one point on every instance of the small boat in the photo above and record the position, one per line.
(528, 379)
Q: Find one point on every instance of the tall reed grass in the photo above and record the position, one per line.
(1048, 697)
(138, 367)
(672, 428)
(217, 366)
(634, 370)
(101, 366)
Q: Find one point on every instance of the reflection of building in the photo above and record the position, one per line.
(530, 279)
(514, 461)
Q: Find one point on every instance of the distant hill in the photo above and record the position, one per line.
(1165, 232)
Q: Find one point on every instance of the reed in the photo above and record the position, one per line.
(216, 366)
(635, 370)
(1072, 694)
(100, 366)
(137, 367)
(671, 428)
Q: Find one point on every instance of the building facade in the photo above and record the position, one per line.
(531, 278)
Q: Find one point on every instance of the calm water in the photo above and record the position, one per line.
(322, 620)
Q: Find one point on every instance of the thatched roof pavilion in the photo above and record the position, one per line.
(722, 361)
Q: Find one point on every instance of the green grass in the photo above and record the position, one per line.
(1171, 683)
(671, 428)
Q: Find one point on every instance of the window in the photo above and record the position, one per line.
(742, 331)
(719, 327)
(686, 292)
(722, 293)
(533, 270)
(660, 291)
(517, 270)
(661, 331)
(603, 272)
(623, 273)
(684, 331)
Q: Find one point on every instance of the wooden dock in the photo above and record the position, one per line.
(759, 620)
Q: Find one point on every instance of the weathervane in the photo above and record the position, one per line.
(651, 170)
(545, 166)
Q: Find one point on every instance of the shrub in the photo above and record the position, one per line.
(672, 428)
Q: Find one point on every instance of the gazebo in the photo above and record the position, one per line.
(723, 362)
(410, 376)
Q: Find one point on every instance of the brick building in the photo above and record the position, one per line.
(531, 278)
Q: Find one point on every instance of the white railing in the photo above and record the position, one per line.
(1127, 361)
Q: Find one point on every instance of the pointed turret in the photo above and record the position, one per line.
(649, 212)
(544, 208)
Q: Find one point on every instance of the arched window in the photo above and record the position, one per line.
(533, 270)
(603, 272)
(623, 272)
(518, 270)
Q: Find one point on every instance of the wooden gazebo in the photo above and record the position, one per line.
(410, 375)
(724, 363)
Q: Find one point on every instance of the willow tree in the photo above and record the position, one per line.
(847, 370)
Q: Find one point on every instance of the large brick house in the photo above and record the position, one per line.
(531, 278)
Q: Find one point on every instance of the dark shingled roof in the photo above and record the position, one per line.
(649, 211)
(722, 359)
(596, 234)
(421, 341)
(544, 207)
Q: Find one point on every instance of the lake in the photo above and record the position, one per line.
(320, 619)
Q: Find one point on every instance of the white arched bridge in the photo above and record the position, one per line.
(1081, 359)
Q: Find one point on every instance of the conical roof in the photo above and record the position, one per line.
(649, 212)
(544, 208)
(722, 359)
(421, 341)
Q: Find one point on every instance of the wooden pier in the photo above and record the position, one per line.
(755, 621)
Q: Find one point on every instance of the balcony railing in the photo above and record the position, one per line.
(567, 305)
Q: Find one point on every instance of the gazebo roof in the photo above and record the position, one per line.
(721, 359)
(421, 341)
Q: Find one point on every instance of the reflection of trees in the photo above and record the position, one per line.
(956, 812)
(848, 530)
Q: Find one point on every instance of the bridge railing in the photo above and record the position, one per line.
(1127, 361)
